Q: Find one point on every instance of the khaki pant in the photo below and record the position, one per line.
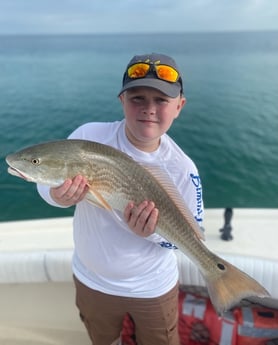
(156, 319)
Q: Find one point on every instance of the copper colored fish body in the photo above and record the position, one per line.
(114, 179)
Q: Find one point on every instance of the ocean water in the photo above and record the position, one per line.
(49, 85)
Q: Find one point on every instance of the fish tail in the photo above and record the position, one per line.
(231, 286)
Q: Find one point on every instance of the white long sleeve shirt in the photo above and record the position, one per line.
(108, 256)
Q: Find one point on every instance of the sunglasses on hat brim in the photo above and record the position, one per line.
(163, 72)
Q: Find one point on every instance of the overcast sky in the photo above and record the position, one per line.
(106, 16)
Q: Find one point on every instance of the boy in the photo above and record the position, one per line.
(128, 268)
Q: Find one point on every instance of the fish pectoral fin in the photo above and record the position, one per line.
(90, 198)
(95, 198)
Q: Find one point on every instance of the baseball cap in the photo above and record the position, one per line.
(153, 70)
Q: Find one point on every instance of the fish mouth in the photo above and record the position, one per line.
(17, 173)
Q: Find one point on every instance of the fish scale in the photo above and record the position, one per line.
(114, 179)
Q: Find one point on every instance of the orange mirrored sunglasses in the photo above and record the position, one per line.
(164, 72)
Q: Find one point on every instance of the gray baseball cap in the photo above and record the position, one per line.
(151, 79)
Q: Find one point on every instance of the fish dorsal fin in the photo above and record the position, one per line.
(166, 182)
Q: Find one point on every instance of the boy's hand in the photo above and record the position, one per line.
(70, 192)
(141, 219)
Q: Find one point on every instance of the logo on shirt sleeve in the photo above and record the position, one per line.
(196, 180)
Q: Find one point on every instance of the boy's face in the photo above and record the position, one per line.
(149, 113)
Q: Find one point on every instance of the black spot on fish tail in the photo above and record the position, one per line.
(221, 266)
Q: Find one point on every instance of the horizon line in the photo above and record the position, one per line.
(137, 33)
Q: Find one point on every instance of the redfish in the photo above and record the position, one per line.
(114, 179)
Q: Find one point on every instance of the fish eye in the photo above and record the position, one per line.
(35, 161)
